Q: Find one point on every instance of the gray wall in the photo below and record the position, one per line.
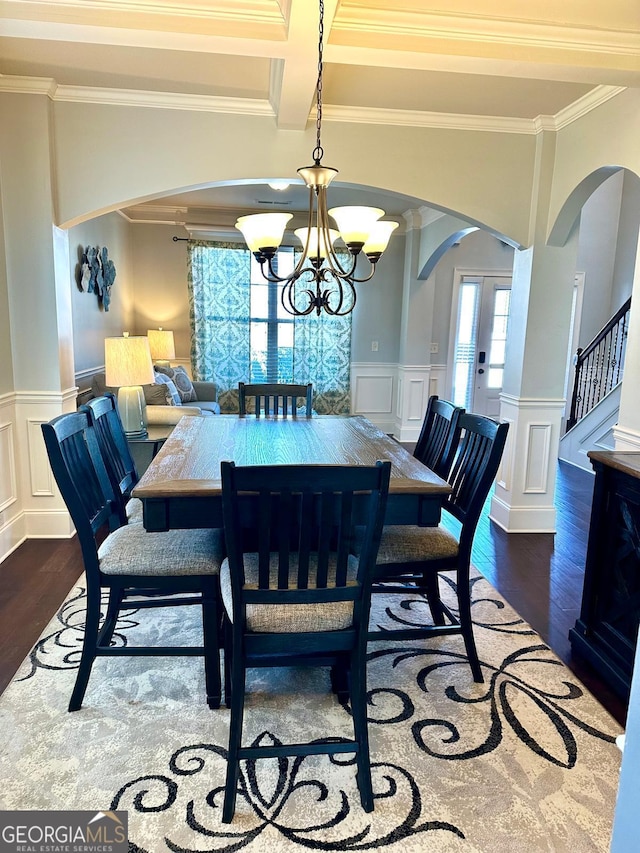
(91, 324)
(151, 282)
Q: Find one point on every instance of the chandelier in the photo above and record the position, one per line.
(323, 278)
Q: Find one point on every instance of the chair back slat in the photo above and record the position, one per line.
(76, 462)
(439, 436)
(474, 468)
(103, 415)
(275, 398)
(307, 514)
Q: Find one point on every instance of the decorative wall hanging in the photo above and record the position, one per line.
(96, 273)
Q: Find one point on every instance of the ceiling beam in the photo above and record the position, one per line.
(293, 79)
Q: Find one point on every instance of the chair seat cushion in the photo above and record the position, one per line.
(412, 544)
(131, 550)
(285, 618)
(133, 510)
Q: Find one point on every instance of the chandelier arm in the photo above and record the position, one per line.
(289, 305)
(337, 312)
(366, 277)
(271, 275)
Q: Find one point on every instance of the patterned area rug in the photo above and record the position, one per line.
(524, 762)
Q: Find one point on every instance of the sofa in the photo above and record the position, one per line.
(168, 401)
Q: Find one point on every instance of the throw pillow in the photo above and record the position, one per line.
(173, 397)
(155, 395)
(181, 380)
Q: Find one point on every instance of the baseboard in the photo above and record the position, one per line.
(523, 519)
(50, 524)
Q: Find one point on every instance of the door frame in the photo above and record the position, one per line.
(458, 273)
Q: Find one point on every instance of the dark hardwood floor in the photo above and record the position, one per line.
(540, 575)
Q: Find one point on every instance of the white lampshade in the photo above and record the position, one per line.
(128, 361)
(301, 234)
(128, 366)
(263, 230)
(355, 222)
(161, 344)
(378, 239)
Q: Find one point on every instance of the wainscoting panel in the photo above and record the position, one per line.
(8, 485)
(414, 387)
(503, 477)
(537, 459)
(415, 395)
(523, 501)
(41, 476)
(372, 393)
(12, 522)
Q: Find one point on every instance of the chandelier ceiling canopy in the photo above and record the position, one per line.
(323, 278)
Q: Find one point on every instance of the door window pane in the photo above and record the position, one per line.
(501, 304)
(494, 377)
(465, 349)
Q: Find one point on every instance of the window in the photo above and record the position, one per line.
(271, 326)
(465, 348)
(241, 333)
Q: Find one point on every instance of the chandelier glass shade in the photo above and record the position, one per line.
(323, 278)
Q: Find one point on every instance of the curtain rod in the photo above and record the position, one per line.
(180, 239)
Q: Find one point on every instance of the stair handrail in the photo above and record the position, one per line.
(583, 403)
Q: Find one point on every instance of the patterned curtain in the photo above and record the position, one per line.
(219, 310)
(322, 355)
(219, 276)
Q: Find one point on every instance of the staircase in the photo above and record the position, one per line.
(595, 400)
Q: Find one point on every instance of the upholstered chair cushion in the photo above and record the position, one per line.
(412, 544)
(181, 380)
(133, 510)
(131, 550)
(274, 618)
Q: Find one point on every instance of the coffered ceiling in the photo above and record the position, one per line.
(457, 63)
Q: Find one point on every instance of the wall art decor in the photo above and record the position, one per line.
(96, 273)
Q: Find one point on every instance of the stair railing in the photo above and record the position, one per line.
(599, 365)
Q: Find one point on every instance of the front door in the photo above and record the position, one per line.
(481, 335)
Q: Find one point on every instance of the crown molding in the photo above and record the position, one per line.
(164, 100)
(28, 85)
(357, 115)
(415, 118)
(584, 105)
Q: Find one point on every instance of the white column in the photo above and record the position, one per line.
(414, 367)
(533, 401)
(36, 273)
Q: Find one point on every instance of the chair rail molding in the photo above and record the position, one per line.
(523, 501)
(373, 392)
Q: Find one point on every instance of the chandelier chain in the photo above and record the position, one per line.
(318, 152)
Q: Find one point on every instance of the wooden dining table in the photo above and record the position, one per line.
(182, 486)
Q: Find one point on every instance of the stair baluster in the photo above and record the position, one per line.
(599, 366)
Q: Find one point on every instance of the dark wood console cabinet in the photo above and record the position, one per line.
(607, 630)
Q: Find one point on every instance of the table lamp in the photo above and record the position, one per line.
(162, 346)
(128, 366)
